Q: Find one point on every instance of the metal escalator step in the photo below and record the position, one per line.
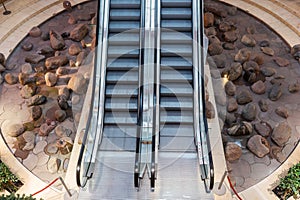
(176, 62)
(176, 117)
(176, 3)
(125, 3)
(173, 89)
(180, 130)
(121, 90)
(183, 50)
(125, 14)
(118, 144)
(176, 103)
(111, 131)
(123, 51)
(121, 77)
(125, 38)
(121, 26)
(178, 144)
(119, 117)
(120, 104)
(176, 76)
(122, 63)
(177, 25)
(172, 37)
(176, 13)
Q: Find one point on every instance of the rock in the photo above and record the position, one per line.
(276, 152)
(215, 49)
(210, 31)
(225, 27)
(66, 164)
(213, 39)
(2, 68)
(220, 60)
(294, 87)
(263, 105)
(51, 79)
(79, 32)
(281, 134)
(235, 71)
(45, 129)
(230, 88)
(275, 92)
(62, 102)
(251, 29)
(259, 87)
(240, 129)
(61, 71)
(15, 130)
(230, 36)
(26, 68)
(56, 40)
(264, 43)
(242, 56)
(210, 110)
(251, 65)
(37, 100)
(232, 10)
(60, 115)
(249, 112)
(29, 137)
(56, 61)
(244, 97)
(21, 154)
(230, 119)
(258, 145)
(64, 91)
(53, 165)
(78, 84)
(282, 62)
(232, 151)
(10, 79)
(228, 46)
(250, 76)
(282, 112)
(35, 32)
(34, 58)
(209, 19)
(2, 59)
(51, 149)
(45, 36)
(268, 71)
(74, 49)
(80, 58)
(35, 112)
(46, 50)
(62, 131)
(28, 91)
(232, 105)
(27, 46)
(267, 50)
(248, 40)
(65, 145)
(72, 20)
(25, 79)
(259, 59)
(263, 128)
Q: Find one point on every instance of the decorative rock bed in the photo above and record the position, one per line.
(44, 84)
(258, 106)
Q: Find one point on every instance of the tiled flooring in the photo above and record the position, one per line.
(282, 16)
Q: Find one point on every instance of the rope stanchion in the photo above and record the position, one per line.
(235, 192)
(45, 187)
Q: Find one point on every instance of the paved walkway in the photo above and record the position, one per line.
(282, 16)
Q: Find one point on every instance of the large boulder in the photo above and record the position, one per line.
(78, 84)
(242, 56)
(249, 112)
(232, 151)
(275, 92)
(258, 87)
(240, 129)
(263, 128)
(56, 61)
(74, 49)
(209, 19)
(79, 32)
(35, 112)
(215, 49)
(232, 105)
(281, 134)
(56, 40)
(244, 97)
(235, 71)
(258, 145)
(248, 40)
(51, 79)
(230, 88)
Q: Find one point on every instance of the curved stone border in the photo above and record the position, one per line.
(15, 28)
(286, 30)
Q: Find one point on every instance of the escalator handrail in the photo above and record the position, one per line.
(140, 98)
(98, 45)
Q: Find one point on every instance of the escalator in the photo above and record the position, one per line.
(147, 126)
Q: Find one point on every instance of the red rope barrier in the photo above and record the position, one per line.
(237, 195)
(46, 187)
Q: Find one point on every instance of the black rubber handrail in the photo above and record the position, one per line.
(140, 98)
(88, 124)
